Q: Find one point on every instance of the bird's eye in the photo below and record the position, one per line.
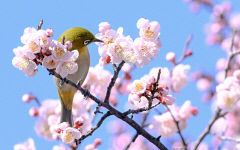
(86, 42)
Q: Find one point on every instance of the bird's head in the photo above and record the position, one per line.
(79, 37)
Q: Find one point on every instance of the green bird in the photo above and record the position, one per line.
(80, 39)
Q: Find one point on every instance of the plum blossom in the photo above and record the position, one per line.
(145, 51)
(148, 30)
(171, 56)
(70, 134)
(123, 48)
(28, 97)
(27, 145)
(40, 49)
(143, 88)
(165, 125)
(228, 92)
(48, 121)
(179, 77)
(60, 147)
(235, 22)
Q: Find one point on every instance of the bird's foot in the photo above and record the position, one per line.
(64, 80)
(85, 93)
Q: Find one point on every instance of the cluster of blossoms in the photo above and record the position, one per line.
(144, 87)
(27, 145)
(40, 49)
(228, 92)
(48, 125)
(117, 47)
(164, 123)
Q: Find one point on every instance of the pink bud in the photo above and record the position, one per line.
(68, 45)
(194, 111)
(78, 123)
(27, 98)
(49, 32)
(33, 112)
(97, 142)
(188, 53)
(171, 57)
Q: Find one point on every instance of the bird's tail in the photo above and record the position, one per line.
(66, 98)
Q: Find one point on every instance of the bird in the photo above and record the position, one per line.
(80, 39)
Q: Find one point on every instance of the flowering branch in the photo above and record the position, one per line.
(178, 128)
(112, 110)
(186, 52)
(218, 112)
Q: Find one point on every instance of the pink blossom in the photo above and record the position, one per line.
(171, 56)
(187, 110)
(70, 134)
(28, 97)
(60, 147)
(24, 52)
(148, 30)
(138, 87)
(165, 125)
(179, 77)
(49, 62)
(235, 22)
(103, 27)
(68, 45)
(66, 68)
(27, 66)
(49, 32)
(121, 49)
(203, 84)
(221, 64)
(28, 145)
(144, 51)
(33, 112)
(28, 33)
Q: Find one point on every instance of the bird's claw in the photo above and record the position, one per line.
(63, 81)
(85, 93)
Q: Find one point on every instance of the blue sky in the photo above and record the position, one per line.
(176, 21)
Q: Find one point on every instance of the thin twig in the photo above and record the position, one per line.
(95, 128)
(178, 128)
(185, 49)
(40, 25)
(113, 80)
(136, 111)
(226, 138)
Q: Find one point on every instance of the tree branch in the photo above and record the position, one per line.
(218, 112)
(113, 80)
(112, 110)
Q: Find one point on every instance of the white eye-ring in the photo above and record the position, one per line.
(86, 42)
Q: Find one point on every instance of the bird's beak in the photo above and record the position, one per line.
(97, 40)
